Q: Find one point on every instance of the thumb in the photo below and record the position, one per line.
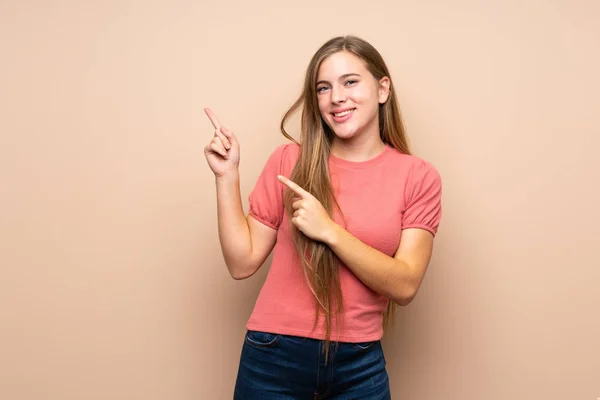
(228, 134)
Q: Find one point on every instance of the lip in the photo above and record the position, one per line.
(339, 120)
(339, 110)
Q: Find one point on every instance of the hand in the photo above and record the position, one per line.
(223, 151)
(309, 215)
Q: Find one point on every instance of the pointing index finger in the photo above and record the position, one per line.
(213, 118)
(293, 186)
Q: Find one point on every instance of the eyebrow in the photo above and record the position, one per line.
(341, 77)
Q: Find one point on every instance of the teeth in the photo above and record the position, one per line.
(343, 113)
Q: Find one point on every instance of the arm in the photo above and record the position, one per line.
(398, 277)
(245, 242)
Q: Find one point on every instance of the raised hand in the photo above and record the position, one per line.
(223, 151)
(310, 216)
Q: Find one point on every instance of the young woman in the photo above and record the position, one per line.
(351, 216)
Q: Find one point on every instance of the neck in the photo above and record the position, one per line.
(360, 148)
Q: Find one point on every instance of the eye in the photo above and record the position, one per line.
(321, 89)
(351, 82)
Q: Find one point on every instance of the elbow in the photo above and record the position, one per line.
(238, 276)
(403, 301)
(241, 276)
(241, 272)
(405, 296)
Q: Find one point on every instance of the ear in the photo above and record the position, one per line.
(384, 89)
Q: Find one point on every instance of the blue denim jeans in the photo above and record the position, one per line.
(281, 367)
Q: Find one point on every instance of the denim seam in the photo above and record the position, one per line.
(270, 343)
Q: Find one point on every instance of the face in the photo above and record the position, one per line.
(349, 96)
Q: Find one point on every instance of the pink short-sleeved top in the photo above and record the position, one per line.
(378, 197)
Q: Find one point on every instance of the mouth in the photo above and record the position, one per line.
(343, 113)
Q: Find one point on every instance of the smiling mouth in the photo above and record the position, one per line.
(343, 113)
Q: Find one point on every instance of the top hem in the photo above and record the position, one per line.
(314, 334)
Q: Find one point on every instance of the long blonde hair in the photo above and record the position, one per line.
(311, 172)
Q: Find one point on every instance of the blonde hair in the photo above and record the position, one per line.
(311, 172)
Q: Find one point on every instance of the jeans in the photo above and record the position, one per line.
(281, 367)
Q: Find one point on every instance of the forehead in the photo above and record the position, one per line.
(340, 63)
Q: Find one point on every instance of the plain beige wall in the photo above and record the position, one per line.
(112, 282)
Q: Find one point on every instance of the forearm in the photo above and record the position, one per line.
(234, 232)
(383, 274)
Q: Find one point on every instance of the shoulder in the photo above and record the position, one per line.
(284, 157)
(287, 150)
(413, 167)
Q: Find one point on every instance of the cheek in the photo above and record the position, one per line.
(369, 101)
(322, 105)
(366, 94)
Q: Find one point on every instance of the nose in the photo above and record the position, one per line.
(337, 95)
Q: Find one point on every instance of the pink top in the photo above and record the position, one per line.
(379, 198)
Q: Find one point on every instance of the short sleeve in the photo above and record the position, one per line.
(423, 198)
(266, 199)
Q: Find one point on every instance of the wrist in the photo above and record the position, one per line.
(232, 175)
(332, 236)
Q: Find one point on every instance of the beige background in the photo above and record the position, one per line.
(112, 282)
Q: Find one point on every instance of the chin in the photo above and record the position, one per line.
(344, 136)
(345, 132)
